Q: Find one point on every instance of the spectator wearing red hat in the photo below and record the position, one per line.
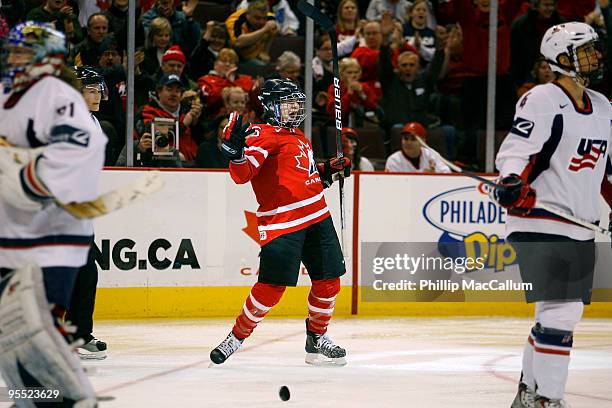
(351, 149)
(412, 157)
(224, 75)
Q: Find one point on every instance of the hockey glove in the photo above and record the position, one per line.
(234, 136)
(515, 194)
(20, 186)
(331, 169)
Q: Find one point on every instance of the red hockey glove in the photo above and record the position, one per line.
(234, 136)
(515, 194)
(332, 167)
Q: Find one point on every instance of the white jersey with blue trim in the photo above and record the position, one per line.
(51, 114)
(562, 151)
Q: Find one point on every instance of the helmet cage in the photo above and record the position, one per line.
(281, 113)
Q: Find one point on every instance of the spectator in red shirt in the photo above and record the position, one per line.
(356, 96)
(223, 75)
(367, 55)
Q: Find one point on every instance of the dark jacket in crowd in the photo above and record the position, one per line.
(414, 96)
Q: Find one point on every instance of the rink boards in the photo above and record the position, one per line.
(192, 250)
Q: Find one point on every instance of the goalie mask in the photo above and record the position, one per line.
(91, 79)
(580, 44)
(31, 51)
(283, 102)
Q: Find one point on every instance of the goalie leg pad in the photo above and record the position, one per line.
(32, 352)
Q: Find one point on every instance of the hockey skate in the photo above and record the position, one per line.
(543, 402)
(94, 350)
(525, 397)
(321, 350)
(225, 349)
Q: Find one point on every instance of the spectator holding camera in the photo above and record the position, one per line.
(62, 16)
(412, 157)
(166, 104)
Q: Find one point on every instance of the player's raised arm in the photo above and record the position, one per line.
(245, 161)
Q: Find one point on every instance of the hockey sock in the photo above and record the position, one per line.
(551, 360)
(527, 372)
(321, 301)
(552, 343)
(262, 298)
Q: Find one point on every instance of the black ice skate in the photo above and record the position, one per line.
(543, 402)
(321, 350)
(93, 350)
(225, 349)
(525, 397)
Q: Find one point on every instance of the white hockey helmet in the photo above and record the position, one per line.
(566, 39)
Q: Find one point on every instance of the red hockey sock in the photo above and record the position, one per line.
(321, 301)
(261, 299)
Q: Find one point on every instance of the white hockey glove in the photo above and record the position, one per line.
(15, 178)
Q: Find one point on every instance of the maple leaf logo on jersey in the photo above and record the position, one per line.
(305, 160)
(588, 153)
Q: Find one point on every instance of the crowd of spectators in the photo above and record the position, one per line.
(421, 62)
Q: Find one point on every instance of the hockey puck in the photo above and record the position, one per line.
(283, 393)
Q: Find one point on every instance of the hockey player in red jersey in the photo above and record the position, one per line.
(294, 222)
(557, 154)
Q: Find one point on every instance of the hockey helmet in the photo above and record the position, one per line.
(284, 102)
(580, 44)
(30, 43)
(90, 78)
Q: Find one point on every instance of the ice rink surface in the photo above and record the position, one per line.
(392, 362)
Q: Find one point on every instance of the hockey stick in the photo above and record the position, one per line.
(328, 26)
(545, 207)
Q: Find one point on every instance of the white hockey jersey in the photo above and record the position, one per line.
(562, 151)
(52, 114)
(428, 160)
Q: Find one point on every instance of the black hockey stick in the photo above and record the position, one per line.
(328, 26)
(546, 207)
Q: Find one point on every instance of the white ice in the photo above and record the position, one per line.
(392, 362)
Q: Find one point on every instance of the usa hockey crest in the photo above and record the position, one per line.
(587, 154)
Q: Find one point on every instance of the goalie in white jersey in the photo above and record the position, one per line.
(64, 153)
(557, 154)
